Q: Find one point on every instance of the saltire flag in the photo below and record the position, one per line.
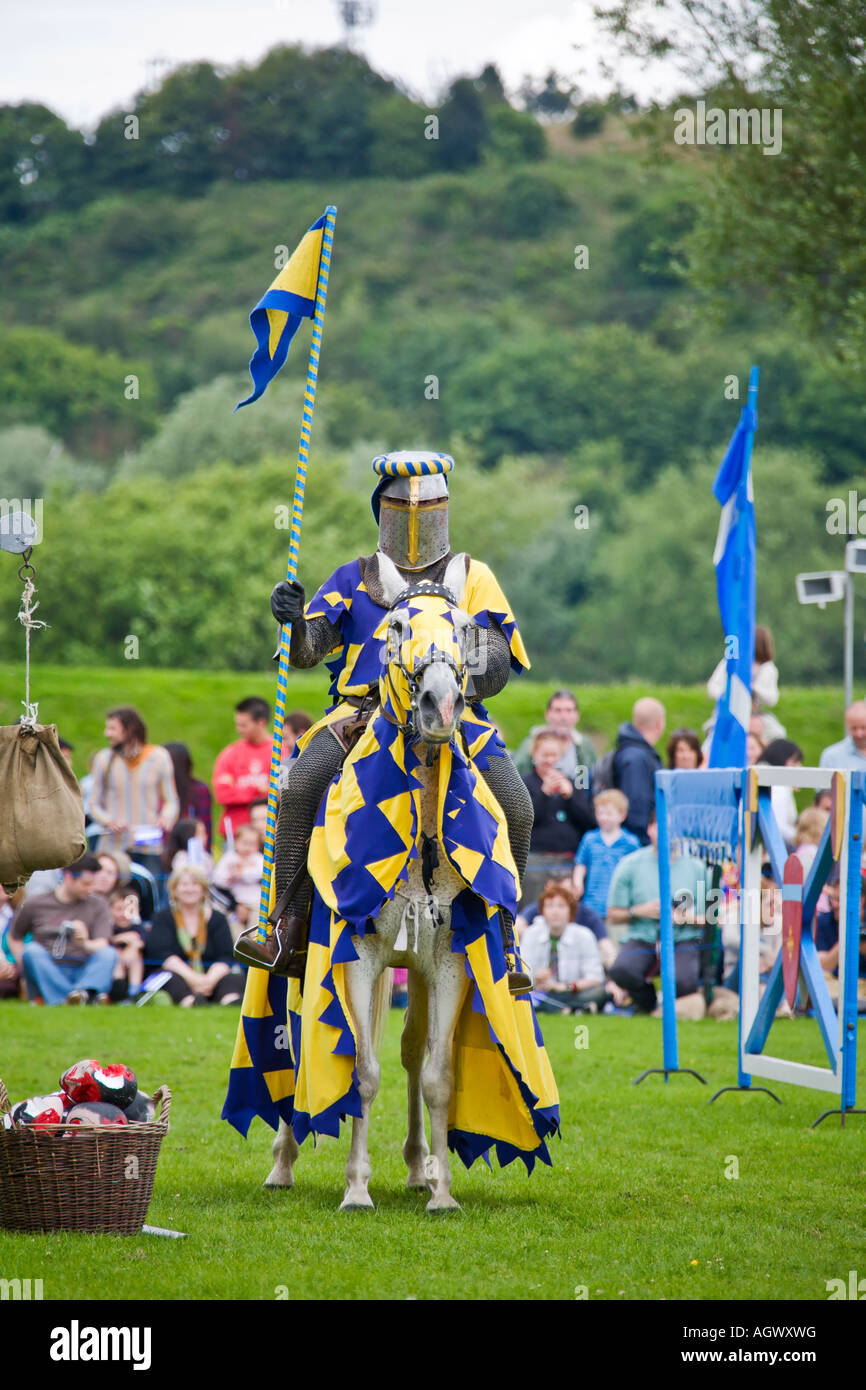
(277, 316)
(734, 559)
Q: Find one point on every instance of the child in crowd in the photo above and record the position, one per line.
(240, 870)
(807, 834)
(564, 958)
(601, 850)
(127, 940)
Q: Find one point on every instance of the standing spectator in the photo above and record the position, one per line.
(563, 957)
(601, 850)
(192, 941)
(70, 956)
(851, 752)
(240, 870)
(765, 685)
(561, 714)
(634, 900)
(636, 762)
(783, 753)
(562, 813)
(684, 751)
(241, 773)
(133, 793)
(194, 796)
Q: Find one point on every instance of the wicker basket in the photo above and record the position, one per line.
(79, 1178)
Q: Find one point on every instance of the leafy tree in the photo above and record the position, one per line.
(791, 224)
(463, 126)
(74, 392)
(552, 100)
(42, 163)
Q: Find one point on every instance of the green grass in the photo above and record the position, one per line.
(637, 1205)
(196, 707)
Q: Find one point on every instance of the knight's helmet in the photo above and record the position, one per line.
(410, 503)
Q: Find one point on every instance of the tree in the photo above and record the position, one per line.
(42, 163)
(553, 100)
(463, 126)
(790, 224)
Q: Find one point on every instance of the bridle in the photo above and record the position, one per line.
(423, 588)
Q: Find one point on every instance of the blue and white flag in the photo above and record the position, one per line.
(734, 559)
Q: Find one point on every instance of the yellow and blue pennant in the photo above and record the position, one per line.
(277, 316)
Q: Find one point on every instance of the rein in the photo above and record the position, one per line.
(424, 588)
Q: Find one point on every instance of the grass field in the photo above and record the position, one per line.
(636, 1206)
(195, 707)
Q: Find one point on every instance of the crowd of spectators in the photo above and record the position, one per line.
(170, 879)
(155, 905)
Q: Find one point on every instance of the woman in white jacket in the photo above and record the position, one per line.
(765, 685)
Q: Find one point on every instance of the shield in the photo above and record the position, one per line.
(792, 925)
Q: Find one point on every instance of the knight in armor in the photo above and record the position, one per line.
(410, 504)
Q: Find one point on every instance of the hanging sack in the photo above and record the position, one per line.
(41, 809)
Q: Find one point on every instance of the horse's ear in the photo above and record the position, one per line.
(454, 577)
(390, 578)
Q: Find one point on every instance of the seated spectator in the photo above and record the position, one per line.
(562, 813)
(567, 972)
(562, 714)
(259, 818)
(827, 937)
(754, 749)
(783, 753)
(601, 850)
(634, 900)
(807, 834)
(70, 959)
(114, 867)
(294, 724)
(10, 975)
(193, 942)
(128, 941)
(584, 917)
(851, 752)
(193, 795)
(240, 870)
(186, 843)
(684, 750)
(824, 800)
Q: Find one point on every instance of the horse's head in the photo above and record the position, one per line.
(423, 685)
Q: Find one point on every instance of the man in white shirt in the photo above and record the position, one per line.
(564, 959)
(850, 753)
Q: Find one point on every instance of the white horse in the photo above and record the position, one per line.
(409, 934)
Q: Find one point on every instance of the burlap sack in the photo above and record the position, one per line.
(41, 810)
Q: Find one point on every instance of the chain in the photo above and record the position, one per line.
(27, 573)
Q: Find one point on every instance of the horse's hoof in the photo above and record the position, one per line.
(273, 1181)
(443, 1207)
(359, 1201)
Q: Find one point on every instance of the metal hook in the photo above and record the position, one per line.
(26, 565)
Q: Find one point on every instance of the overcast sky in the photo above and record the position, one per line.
(85, 57)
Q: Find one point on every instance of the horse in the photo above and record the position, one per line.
(412, 928)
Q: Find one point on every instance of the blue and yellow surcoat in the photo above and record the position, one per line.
(356, 664)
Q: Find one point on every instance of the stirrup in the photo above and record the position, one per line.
(276, 953)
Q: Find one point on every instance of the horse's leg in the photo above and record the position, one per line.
(446, 993)
(412, 1045)
(284, 1151)
(361, 976)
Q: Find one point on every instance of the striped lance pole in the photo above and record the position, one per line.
(292, 568)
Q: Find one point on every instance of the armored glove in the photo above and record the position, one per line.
(287, 601)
